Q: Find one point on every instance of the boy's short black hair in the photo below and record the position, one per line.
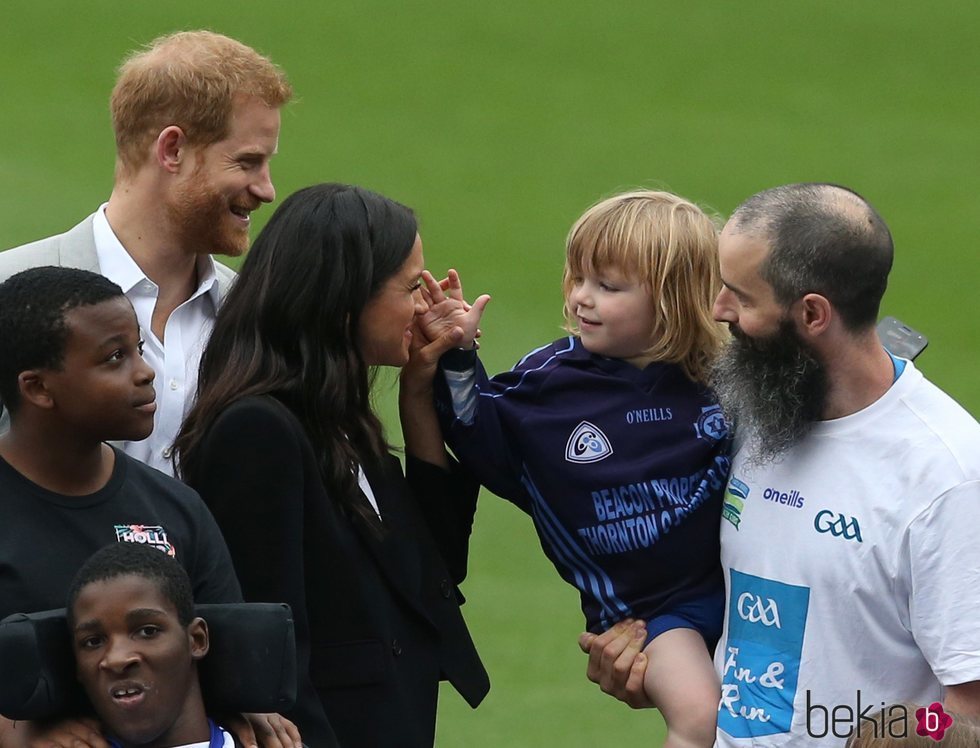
(121, 559)
(33, 304)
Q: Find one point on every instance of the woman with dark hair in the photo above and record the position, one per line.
(284, 447)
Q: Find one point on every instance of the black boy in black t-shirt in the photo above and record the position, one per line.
(72, 377)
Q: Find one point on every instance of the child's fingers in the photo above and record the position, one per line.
(455, 286)
(481, 303)
(433, 287)
(444, 283)
(475, 313)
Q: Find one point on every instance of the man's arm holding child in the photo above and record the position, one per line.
(617, 663)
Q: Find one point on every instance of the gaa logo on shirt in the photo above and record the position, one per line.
(838, 525)
(755, 609)
(587, 444)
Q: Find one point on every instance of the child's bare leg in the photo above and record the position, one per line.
(681, 681)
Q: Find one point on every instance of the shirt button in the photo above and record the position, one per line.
(166, 452)
(396, 648)
(173, 384)
(445, 588)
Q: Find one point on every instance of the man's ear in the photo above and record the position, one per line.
(33, 388)
(171, 148)
(197, 634)
(815, 315)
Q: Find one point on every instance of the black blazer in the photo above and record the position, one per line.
(377, 613)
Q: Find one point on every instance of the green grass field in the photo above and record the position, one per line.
(500, 123)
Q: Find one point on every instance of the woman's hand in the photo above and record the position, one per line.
(449, 322)
(415, 379)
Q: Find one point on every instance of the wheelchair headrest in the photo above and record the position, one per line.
(250, 666)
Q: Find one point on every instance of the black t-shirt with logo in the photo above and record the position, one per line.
(45, 537)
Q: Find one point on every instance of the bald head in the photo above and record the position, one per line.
(822, 238)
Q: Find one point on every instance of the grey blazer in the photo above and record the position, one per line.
(76, 249)
(73, 249)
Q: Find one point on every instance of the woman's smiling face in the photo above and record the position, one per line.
(385, 331)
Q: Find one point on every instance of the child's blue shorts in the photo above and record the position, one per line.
(704, 614)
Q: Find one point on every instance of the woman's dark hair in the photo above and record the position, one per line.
(288, 327)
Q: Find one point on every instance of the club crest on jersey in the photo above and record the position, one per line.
(152, 535)
(587, 444)
(711, 424)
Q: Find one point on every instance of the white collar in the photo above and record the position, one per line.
(116, 264)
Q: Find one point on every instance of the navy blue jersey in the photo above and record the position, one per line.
(621, 469)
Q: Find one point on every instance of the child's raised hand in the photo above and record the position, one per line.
(448, 309)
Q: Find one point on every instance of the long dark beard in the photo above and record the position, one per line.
(773, 389)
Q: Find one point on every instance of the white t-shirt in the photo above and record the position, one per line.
(853, 571)
(175, 359)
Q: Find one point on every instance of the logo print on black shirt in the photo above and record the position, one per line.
(152, 535)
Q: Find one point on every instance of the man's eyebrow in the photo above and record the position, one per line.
(250, 152)
(734, 289)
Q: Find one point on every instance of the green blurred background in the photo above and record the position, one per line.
(500, 123)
